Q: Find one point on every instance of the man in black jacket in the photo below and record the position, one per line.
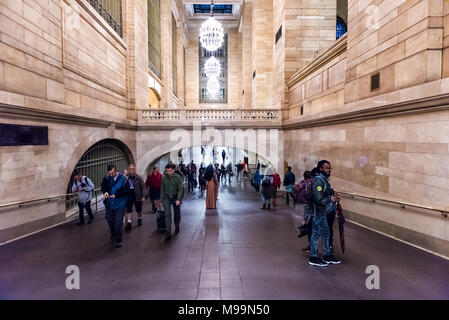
(289, 181)
(136, 196)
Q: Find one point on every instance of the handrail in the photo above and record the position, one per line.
(403, 204)
(20, 203)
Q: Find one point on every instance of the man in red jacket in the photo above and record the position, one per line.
(276, 185)
(153, 184)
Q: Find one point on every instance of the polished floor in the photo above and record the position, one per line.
(235, 252)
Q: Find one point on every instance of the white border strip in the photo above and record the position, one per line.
(403, 241)
(40, 230)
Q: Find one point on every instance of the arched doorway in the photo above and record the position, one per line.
(208, 154)
(95, 160)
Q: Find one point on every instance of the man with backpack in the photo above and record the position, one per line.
(267, 192)
(84, 186)
(289, 181)
(115, 188)
(172, 192)
(324, 203)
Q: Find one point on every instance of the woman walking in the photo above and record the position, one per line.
(211, 188)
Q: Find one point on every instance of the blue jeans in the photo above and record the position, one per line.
(115, 222)
(320, 229)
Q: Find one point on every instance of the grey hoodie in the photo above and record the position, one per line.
(86, 194)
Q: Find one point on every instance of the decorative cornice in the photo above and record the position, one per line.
(331, 53)
(12, 111)
(425, 105)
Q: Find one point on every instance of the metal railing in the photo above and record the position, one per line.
(111, 12)
(69, 197)
(403, 204)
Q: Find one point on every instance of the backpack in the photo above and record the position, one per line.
(302, 192)
(266, 182)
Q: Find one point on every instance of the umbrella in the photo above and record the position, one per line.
(341, 221)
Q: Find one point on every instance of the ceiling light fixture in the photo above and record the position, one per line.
(211, 32)
(212, 67)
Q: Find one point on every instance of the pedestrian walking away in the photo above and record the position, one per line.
(211, 188)
(267, 192)
(289, 181)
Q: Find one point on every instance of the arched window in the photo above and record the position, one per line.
(95, 160)
(341, 27)
(154, 36)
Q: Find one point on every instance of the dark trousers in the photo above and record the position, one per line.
(81, 207)
(168, 203)
(290, 194)
(330, 223)
(190, 184)
(115, 222)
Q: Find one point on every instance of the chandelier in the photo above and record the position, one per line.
(212, 67)
(213, 86)
(211, 33)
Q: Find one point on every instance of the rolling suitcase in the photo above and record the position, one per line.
(160, 219)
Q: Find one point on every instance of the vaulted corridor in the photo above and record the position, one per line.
(235, 252)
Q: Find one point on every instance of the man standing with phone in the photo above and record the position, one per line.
(84, 186)
(172, 192)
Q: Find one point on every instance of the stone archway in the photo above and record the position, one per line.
(164, 141)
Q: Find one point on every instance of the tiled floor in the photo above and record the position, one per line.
(235, 252)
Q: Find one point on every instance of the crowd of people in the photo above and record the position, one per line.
(123, 191)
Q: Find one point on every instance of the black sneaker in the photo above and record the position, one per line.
(331, 259)
(263, 207)
(168, 235)
(177, 229)
(139, 222)
(90, 221)
(303, 231)
(118, 244)
(80, 223)
(128, 226)
(317, 262)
